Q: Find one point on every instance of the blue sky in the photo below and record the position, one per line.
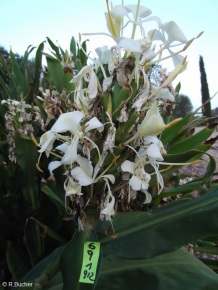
(29, 22)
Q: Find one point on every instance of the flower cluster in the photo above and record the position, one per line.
(109, 141)
(18, 117)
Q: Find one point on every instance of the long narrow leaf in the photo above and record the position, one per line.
(165, 230)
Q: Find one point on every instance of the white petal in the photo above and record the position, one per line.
(128, 166)
(177, 59)
(85, 164)
(71, 153)
(108, 211)
(79, 174)
(104, 54)
(165, 95)
(149, 54)
(53, 165)
(154, 152)
(142, 11)
(63, 147)
(156, 35)
(68, 122)
(46, 141)
(110, 177)
(129, 44)
(174, 32)
(148, 197)
(150, 139)
(135, 182)
(118, 10)
(94, 123)
(77, 78)
(93, 85)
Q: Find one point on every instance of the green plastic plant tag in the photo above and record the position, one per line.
(90, 262)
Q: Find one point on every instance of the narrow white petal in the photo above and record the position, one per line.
(86, 165)
(71, 153)
(148, 197)
(53, 165)
(93, 85)
(77, 78)
(94, 123)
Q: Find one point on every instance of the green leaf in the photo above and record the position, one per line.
(166, 229)
(73, 48)
(27, 157)
(120, 94)
(82, 56)
(67, 78)
(56, 72)
(122, 133)
(17, 261)
(169, 133)
(22, 80)
(55, 48)
(54, 197)
(181, 189)
(38, 69)
(191, 142)
(33, 240)
(44, 271)
(176, 270)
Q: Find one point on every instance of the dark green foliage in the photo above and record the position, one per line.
(205, 95)
(183, 106)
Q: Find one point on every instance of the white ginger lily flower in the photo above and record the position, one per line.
(89, 75)
(108, 205)
(174, 38)
(86, 174)
(68, 122)
(154, 153)
(140, 179)
(46, 142)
